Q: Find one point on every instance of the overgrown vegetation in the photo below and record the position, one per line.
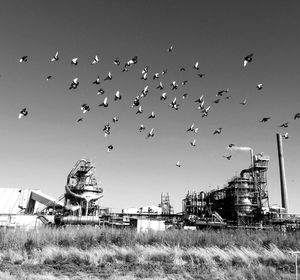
(109, 253)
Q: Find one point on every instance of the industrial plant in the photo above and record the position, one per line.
(242, 203)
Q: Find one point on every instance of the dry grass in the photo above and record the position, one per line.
(93, 253)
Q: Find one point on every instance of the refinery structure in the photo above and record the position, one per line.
(242, 203)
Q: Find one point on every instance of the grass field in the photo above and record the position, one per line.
(93, 253)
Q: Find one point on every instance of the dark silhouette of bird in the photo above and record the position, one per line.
(160, 86)
(97, 81)
(243, 102)
(184, 96)
(23, 113)
(108, 77)
(144, 77)
(193, 143)
(80, 120)
(74, 61)
(191, 128)
(170, 48)
(259, 86)
(164, 72)
(218, 131)
(265, 119)
(285, 135)
(297, 116)
(182, 69)
(106, 129)
(201, 75)
(248, 59)
(184, 82)
(145, 70)
(74, 84)
(152, 116)
(286, 124)
(150, 134)
(55, 57)
(228, 157)
(141, 128)
(115, 119)
(196, 65)
(163, 96)
(136, 102)
(201, 106)
(100, 91)
(23, 59)
(173, 104)
(125, 69)
(95, 60)
(85, 108)
(104, 103)
(140, 110)
(174, 85)
(48, 77)
(155, 76)
(221, 92)
(118, 96)
(117, 61)
(109, 148)
(217, 100)
(230, 146)
(134, 60)
(199, 100)
(144, 91)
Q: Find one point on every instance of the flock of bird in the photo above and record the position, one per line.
(137, 101)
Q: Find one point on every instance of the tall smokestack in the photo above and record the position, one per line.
(284, 196)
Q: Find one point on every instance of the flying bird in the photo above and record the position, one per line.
(141, 128)
(100, 91)
(248, 59)
(117, 61)
(228, 157)
(286, 135)
(109, 148)
(144, 91)
(85, 108)
(145, 70)
(191, 128)
(199, 100)
(218, 131)
(221, 92)
(243, 102)
(104, 103)
(182, 69)
(217, 100)
(108, 77)
(106, 129)
(48, 77)
(97, 81)
(95, 60)
(136, 102)
(23, 59)
(155, 76)
(264, 119)
(152, 116)
(163, 96)
(184, 95)
(80, 120)
(170, 48)
(118, 96)
(115, 119)
(160, 86)
(184, 82)
(164, 71)
(55, 57)
(74, 61)
(196, 65)
(23, 113)
(134, 60)
(178, 164)
(140, 110)
(74, 84)
(174, 85)
(150, 134)
(193, 143)
(201, 75)
(230, 146)
(173, 104)
(259, 86)
(297, 116)
(286, 124)
(144, 77)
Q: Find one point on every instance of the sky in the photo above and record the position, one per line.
(39, 150)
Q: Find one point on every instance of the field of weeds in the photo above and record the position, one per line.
(93, 253)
